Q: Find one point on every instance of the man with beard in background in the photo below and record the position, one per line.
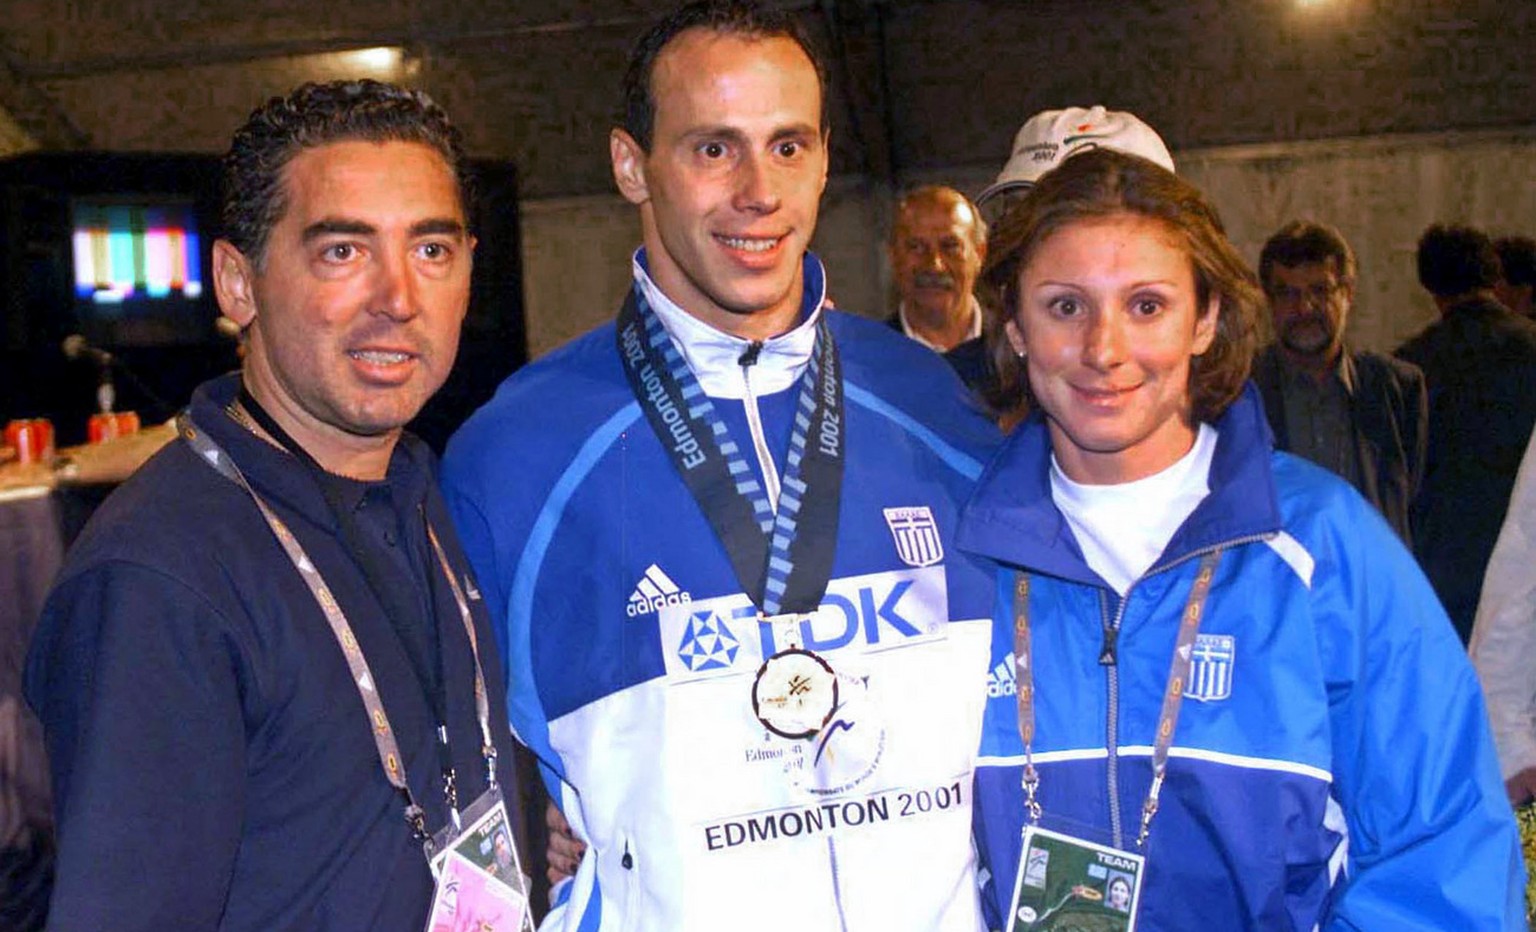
(1359, 414)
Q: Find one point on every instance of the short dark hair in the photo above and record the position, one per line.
(727, 17)
(1454, 260)
(1106, 183)
(1302, 242)
(1517, 259)
(314, 115)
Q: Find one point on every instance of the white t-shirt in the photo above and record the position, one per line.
(1124, 528)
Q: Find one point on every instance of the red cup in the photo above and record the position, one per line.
(31, 438)
(103, 427)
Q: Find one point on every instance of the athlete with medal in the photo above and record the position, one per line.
(1233, 700)
(741, 641)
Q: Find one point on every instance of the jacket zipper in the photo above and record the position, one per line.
(1110, 660)
(1109, 657)
(747, 360)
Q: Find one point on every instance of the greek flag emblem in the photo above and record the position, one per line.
(916, 535)
(1210, 667)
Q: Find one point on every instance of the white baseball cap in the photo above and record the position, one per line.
(1052, 136)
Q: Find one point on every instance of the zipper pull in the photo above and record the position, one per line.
(749, 355)
(1107, 651)
(628, 860)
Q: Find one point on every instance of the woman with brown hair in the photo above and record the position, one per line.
(1216, 671)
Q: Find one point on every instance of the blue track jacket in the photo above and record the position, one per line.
(632, 650)
(1331, 766)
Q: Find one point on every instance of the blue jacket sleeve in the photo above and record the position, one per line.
(1432, 843)
(494, 529)
(137, 684)
(479, 545)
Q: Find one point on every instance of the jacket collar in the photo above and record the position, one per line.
(713, 354)
(1012, 518)
(904, 324)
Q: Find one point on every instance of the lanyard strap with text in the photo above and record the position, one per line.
(782, 557)
(428, 670)
(1173, 695)
(383, 733)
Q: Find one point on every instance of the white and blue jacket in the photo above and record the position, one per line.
(632, 650)
(1332, 766)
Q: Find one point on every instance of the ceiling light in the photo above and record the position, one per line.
(384, 59)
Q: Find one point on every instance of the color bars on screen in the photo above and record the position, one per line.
(130, 252)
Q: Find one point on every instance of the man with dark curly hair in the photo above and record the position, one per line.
(1479, 362)
(265, 673)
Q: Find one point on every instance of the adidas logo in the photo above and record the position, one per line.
(1002, 681)
(654, 590)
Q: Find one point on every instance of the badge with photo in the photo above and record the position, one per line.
(480, 864)
(469, 898)
(1066, 882)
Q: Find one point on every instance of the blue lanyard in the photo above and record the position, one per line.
(782, 557)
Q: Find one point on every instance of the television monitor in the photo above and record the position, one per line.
(138, 270)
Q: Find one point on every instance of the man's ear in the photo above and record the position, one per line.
(628, 166)
(234, 283)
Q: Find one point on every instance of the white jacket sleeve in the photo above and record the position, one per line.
(1503, 646)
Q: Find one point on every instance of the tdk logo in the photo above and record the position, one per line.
(654, 590)
(1002, 681)
(877, 611)
(868, 614)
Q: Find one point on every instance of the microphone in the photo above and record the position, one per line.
(75, 346)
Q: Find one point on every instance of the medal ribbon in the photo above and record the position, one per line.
(783, 557)
(1173, 694)
(362, 677)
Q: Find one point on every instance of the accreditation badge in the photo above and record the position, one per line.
(480, 882)
(1066, 882)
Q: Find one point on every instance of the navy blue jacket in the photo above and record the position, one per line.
(213, 765)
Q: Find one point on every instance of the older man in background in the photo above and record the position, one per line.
(936, 249)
